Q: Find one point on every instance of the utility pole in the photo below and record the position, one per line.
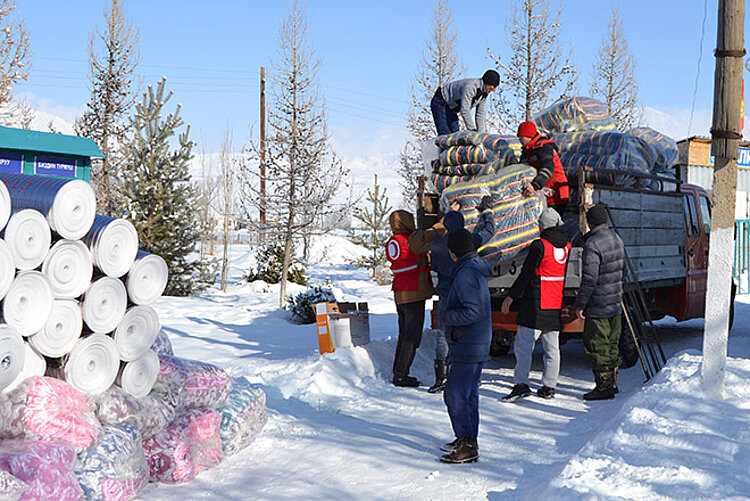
(725, 134)
(262, 211)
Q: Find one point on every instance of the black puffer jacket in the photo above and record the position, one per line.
(526, 290)
(600, 293)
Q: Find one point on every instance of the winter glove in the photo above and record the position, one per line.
(485, 204)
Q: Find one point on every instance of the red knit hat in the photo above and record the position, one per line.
(527, 129)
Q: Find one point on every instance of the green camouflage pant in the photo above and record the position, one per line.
(601, 339)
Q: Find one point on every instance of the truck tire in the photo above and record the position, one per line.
(501, 341)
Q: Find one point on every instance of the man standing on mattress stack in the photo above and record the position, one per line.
(460, 96)
(542, 154)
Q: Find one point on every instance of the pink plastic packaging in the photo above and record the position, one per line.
(46, 467)
(188, 446)
(190, 384)
(149, 414)
(45, 408)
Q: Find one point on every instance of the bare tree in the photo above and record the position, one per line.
(105, 119)
(208, 190)
(14, 67)
(303, 173)
(614, 80)
(438, 66)
(227, 176)
(535, 75)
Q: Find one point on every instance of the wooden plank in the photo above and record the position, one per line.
(654, 251)
(644, 200)
(657, 263)
(645, 276)
(648, 236)
(646, 219)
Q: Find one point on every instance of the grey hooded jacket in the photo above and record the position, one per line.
(462, 96)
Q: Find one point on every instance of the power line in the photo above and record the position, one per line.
(698, 73)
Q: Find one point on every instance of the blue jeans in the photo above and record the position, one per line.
(462, 398)
(446, 121)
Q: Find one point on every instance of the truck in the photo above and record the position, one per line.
(666, 236)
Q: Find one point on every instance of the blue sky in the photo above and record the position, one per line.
(211, 53)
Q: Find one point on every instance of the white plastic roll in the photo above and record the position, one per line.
(29, 302)
(11, 355)
(5, 205)
(34, 364)
(147, 278)
(136, 332)
(93, 364)
(113, 243)
(68, 267)
(28, 236)
(104, 304)
(138, 377)
(7, 267)
(62, 330)
(68, 204)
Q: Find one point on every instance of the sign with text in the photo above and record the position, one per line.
(55, 166)
(11, 162)
(743, 159)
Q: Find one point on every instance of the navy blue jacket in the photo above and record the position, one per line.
(467, 315)
(600, 293)
(440, 259)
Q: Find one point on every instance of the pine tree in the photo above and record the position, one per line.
(439, 65)
(303, 172)
(105, 119)
(535, 76)
(375, 221)
(14, 65)
(159, 197)
(614, 76)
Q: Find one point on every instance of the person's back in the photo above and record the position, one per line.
(604, 250)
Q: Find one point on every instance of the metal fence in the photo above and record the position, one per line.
(741, 255)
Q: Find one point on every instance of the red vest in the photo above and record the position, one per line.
(558, 181)
(551, 273)
(403, 264)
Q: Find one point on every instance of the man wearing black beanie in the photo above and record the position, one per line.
(467, 319)
(599, 301)
(460, 96)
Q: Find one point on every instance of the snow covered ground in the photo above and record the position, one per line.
(339, 430)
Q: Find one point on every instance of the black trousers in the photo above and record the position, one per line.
(410, 324)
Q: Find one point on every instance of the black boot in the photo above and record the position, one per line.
(441, 376)
(605, 386)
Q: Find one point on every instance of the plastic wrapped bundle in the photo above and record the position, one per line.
(113, 243)
(28, 237)
(45, 467)
(34, 364)
(62, 330)
(115, 468)
(149, 414)
(136, 332)
(162, 345)
(187, 384)
(138, 377)
(11, 488)
(147, 278)
(92, 364)
(442, 181)
(516, 217)
(68, 267)
(104, 304)
(68, 204)
(457, 155)
(573, 114)
(188, 446)
(494, 142)
(666, 154)
(45, 408)
(11, 355)
(610, 150)
(242, 417)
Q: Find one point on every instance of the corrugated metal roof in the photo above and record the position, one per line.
(47, 142)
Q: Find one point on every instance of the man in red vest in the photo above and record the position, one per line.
(539, 289)
(407, 252)
(542, 154)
